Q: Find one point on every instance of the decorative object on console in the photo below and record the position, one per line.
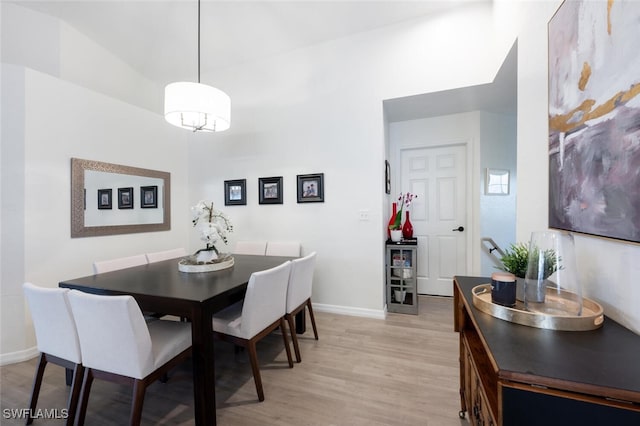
(594, 109)
(551, 283)
(196, 106)
(395, 223)
(213, 226)
(515, 261)
(392, 219)
(503, 288)
(407, 228)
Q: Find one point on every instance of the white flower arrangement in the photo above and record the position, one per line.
(213, 226)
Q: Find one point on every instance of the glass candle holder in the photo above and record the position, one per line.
(551, 283)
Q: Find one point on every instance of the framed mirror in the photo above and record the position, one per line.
(110, 199)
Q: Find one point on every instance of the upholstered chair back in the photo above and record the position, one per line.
(265, 299)
(113, 334)
(119, 263)
(56, 332)
(300, 281)
(283, 248)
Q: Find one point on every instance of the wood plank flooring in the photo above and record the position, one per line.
(398, 371)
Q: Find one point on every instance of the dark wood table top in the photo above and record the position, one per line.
(163, 279)
(608, 357)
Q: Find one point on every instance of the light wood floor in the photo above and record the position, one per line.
(398, 371)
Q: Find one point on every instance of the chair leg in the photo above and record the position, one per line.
(37, 382)
(84, 396)
(286, 342)
(139, 388)
(294, 337)
(313, 318)
(253, 357)
(74, 395)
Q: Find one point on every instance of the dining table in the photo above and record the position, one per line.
(161, 288)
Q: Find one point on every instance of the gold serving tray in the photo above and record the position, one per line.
(592, 313)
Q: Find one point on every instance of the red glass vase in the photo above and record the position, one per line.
(407, 228)
(392, 220)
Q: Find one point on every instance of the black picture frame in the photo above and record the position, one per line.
(125, 198)
(235, 192)
(270, 190)
(149, 197)
(311, 188)
(387, 177)
(104, 199)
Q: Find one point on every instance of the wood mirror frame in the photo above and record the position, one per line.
(78, 228)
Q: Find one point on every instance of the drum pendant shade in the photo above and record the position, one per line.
(197, 107)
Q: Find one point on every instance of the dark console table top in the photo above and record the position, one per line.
(596, 360)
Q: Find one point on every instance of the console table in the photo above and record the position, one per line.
(511, 374)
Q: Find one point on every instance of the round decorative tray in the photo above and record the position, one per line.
(185, 266)
(592, 313)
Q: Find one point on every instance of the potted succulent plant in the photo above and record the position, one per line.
(516, 260)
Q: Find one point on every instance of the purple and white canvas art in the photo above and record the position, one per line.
(594, 118)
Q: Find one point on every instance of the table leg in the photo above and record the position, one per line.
(204, 393)
(301, 321)
(68, 376)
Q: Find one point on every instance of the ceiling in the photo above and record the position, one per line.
(158, 38)
(500, 97)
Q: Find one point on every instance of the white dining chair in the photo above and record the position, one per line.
(102, 266)
(119, 263)
(262, 311)
(283, 248)
(250, 247)
(118, 346)
(56, 339)
(299, 296)
(159, 256)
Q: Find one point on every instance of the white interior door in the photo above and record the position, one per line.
(438, 176)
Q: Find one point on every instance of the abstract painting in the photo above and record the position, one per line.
(594, 118)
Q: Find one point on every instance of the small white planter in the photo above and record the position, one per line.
(396, 235)
(184, 266)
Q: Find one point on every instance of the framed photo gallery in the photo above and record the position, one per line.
(310, 189)
(127, 199)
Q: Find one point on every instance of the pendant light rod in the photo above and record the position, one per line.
(198, 41)
(195, 106)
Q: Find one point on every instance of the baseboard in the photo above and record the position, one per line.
(18, 356)
(348, 310)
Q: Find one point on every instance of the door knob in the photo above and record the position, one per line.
(459, 229)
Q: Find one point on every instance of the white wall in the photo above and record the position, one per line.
(608, 268)
(47, 120)
(497, 213)
(320, 109)
(46, 44)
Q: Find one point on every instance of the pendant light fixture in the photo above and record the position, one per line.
(196, 106)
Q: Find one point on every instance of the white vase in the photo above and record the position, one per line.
(206, 256)
(396, 235)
